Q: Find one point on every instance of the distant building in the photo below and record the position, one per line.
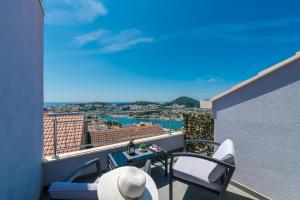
(262, 116)
(97, 126)
(177, 106)
(142, 124)
(205, 104)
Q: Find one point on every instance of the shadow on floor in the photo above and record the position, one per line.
(182, 191)
(157, 173)
(195, 193)
(185, 192)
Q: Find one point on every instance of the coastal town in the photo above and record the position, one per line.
(86, 125)
(140, 109)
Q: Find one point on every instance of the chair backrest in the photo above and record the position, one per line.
(74, 191)
(226, 153)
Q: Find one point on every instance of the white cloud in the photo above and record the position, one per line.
(109, 42)
(207, 79)
(73, 12)
(243, 32)
(90, 37)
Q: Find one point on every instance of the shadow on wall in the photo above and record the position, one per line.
(281, 77)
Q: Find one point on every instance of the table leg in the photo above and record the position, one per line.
(166, 165)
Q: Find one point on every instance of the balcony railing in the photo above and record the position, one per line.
(64, 133)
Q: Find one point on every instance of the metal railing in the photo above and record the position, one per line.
(69, 133)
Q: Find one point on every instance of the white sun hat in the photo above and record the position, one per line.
(126, 183)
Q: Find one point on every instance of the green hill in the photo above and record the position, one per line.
(187, 101)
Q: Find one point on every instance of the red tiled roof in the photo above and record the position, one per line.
(111, 136)
(69, 133)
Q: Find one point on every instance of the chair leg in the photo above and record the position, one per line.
(221, 196)
(170, 189)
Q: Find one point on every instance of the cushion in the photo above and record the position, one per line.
(66, 190)
(225, 153)
(195, 170)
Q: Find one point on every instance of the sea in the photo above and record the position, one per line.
(165, 123)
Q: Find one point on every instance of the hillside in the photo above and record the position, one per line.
(142, 103)
(91, 103)
(187, 101)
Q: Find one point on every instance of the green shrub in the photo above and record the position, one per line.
(199, 126)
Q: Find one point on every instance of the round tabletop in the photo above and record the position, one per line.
(108, 188)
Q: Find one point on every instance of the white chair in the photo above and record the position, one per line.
(213, 173)
(68, 189)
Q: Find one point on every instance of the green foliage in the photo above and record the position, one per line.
(187, 101)
(199, 126)
(143, 146)
(113, 123)
(91, 116)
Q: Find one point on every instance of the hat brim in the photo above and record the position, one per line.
(108, 188)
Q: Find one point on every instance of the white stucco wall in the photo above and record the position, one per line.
(56, 170)
(21, 99)
(263, 120)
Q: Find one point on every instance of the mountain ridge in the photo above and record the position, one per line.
(186, 101)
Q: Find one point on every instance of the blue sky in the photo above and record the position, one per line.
(109, 50)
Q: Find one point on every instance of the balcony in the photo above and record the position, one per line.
(181, 191)
(57, 168)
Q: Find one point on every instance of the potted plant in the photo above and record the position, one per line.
(143, 147)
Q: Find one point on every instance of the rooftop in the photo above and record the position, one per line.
(58, 168)
(65, 133)
(111, 136)
(69, 130)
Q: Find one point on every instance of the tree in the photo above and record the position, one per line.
(199, 126)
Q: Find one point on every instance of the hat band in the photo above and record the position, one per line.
(124, 195)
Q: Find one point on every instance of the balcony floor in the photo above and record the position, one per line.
(185, 192)
(181, 190)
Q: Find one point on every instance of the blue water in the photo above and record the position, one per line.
(47, 104)
(169, 124)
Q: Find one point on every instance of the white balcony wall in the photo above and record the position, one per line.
(21, 99)
(263, 120)
(59, 169)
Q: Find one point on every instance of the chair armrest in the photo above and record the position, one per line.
(219, 162)
(66, 190)
(200, 141)
(76, 172)
(147, 167)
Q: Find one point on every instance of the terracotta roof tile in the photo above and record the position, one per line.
(111, 136)
(69, 133)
